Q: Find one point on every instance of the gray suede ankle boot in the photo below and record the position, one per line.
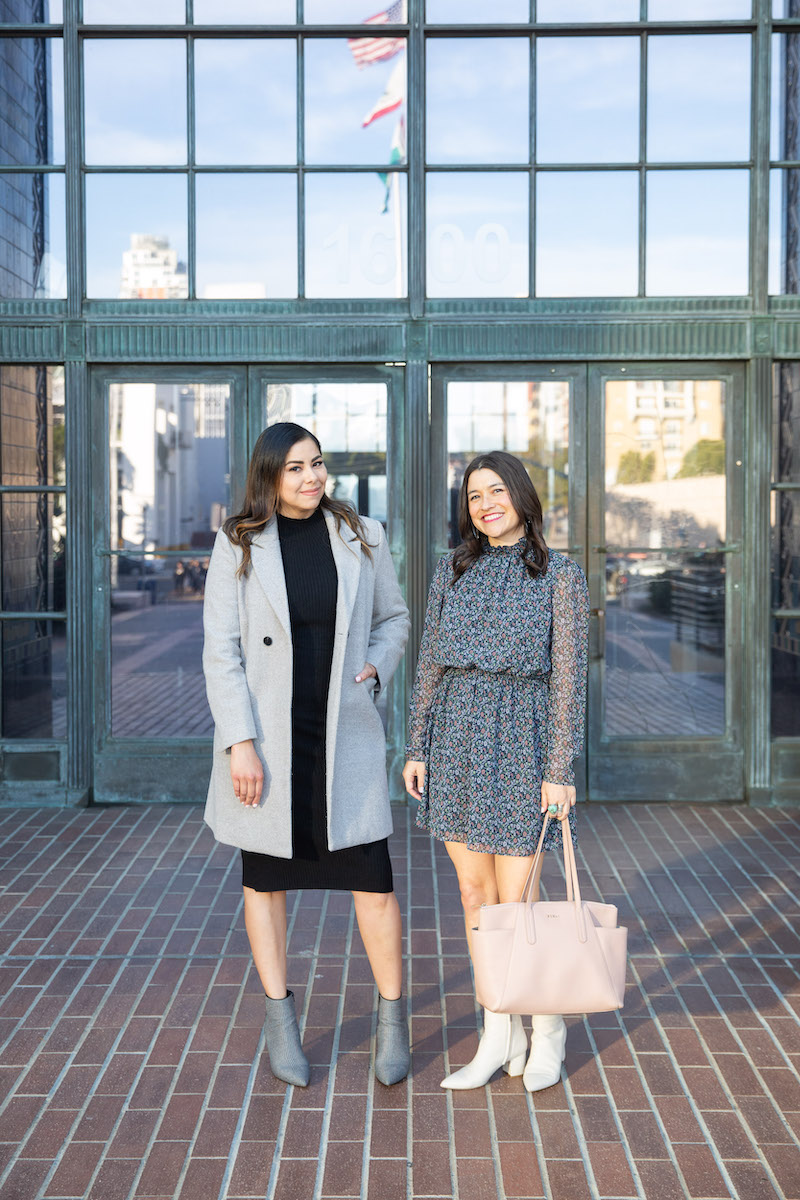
(392, 1054)
(286, 1056)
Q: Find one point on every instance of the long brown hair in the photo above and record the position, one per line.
(264, 474)
(526, 502)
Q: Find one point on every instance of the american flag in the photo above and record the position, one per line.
(368, 50)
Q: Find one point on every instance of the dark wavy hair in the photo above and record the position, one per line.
(526, 502)
(264, 473)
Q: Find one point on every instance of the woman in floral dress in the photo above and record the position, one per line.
(497, 717)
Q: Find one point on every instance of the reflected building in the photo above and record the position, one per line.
(151, 270)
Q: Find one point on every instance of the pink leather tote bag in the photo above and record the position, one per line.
(543, 956)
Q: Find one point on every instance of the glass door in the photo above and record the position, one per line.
(665, 563)
(537, 413)
(356, 413)
(170, 460)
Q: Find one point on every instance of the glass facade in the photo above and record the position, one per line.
(569, 228)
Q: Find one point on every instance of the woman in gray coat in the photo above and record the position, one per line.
(304, 624)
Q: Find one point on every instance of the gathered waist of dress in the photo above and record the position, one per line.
(507, 674)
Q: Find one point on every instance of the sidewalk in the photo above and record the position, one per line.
(133, 1063)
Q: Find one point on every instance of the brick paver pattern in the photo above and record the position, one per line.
(133, 1061)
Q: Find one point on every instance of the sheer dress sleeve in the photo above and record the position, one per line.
(568, 658)
(429, 672)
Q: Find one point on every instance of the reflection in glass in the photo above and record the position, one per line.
(784, 268)
(699, 10)
(32, 552)
(245, 12)
(777, 94)
(32, 125)
(468, 12)
(246, 236)
(698, 98)
(587, 233)
(352, 12)
(157, 684)
(349, 419)
(135, 100)
(587, 107)
(134, 12)
(786, 672)
(477, 234)
(665, 463)
(697, 233)
(531, 421)
(478, 100)
(34, 703)
(31, 426)
(587, 10)
(169, 468)
(664, 667)
(29, 12)
(136, 236)
(245, 98)
(352, 115)
(786, 427)
(356, 235)
(33, 234)
(785, 550)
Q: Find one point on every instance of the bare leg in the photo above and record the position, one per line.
(476, 879)
(511, 872)
(265, 922)
(378, 916)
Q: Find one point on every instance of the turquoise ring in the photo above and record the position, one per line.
(552, 809)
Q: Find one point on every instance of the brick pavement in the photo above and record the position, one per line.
(133, 1064)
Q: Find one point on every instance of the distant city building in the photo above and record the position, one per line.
(151, 270)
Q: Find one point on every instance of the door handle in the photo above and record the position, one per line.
(597, 633)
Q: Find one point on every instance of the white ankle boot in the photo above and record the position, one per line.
(548, 1050)
(503, 1044)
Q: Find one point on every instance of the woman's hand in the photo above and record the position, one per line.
(560, 795)
(247, 773)
(366, 672)
(414, 778)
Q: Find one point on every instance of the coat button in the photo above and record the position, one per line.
(267, 641)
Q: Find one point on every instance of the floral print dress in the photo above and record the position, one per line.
(498, 701)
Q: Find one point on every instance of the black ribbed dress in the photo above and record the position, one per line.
(311, 584)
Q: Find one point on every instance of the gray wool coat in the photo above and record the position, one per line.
(247, 660)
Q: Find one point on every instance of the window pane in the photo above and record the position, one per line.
(246, 236)
(784, 244)
(699, 10)
(530, 420)
(587, 107)
(136, 239)
(587, 233)
(355, 235)
(31, 426)
(134, 12)
(32, 109)
(29, 12)
(587, 10)
(32, 552)
(246, 101)
(350, 421)
(352, 115)
(352, 12)
(157, 684)
(32, 237)
(245, 12)
(786, 431)
(135, 101)
(664, 667)
(785, 550)
(697, 233)
(698, 98)
(786, 657)
(477, 237)
(169, 467)
(34, 701)
(464, 12)
(477, 100)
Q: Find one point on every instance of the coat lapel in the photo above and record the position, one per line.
(268, 566)
(347, 556)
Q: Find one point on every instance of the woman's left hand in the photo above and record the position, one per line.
(367, 672)
(560, 795)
